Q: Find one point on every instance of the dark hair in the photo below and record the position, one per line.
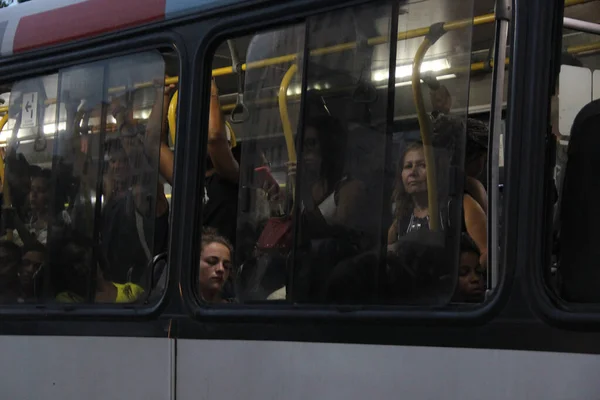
(332, 138)
(113, 146)
(211, 235)
(42, 173)
(403, 201)
(448, 133)
(477, 138)
(73, 263)
(13, 249)
(467, 245)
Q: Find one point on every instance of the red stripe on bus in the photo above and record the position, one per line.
(86, 19)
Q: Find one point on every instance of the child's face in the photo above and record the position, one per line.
(471, 284)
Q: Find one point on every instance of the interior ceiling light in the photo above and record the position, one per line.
(439, 78)
(404, 71)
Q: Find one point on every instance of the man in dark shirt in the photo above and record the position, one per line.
(220, 195)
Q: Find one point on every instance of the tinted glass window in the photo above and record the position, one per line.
(351, 185)
(84, 210)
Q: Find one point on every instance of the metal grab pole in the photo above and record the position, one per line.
(581, 26)
(503, 15)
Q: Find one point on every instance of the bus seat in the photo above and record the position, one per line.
(579, 218)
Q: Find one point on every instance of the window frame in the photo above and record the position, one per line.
(533, 81)
(243, 23)
(83, 53)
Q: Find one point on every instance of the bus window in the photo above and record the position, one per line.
(84, 212)
(351, 183)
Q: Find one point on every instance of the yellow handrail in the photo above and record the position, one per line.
(285, 120)
(172, 115)
(3, 121)
(425, 127)
(410, 34)
(283, 112)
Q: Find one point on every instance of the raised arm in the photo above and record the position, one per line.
(158, 122)
(218, 147)
(476, 222)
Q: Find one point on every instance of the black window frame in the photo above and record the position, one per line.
(70, 55)
(251, 21)
(535, 84)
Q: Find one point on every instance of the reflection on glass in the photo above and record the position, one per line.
(82, 201)
(359, 194)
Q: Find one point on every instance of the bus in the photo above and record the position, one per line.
(304, 199)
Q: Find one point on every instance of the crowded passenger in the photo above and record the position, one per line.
(18, 179)
(411, 193)
(132, 232)
(10, 260)
(30, 272)
(73, 271)
(328, 194)
(475, 161)
(476, 141)
(222, 171)
(41, 212)
(471, 275)
(330, 204)
(216, 263)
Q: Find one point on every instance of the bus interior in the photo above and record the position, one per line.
(330, 71)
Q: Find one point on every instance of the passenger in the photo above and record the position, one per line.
(222, 171)
(216, 255)
(72, 275)
(41, 210)
(562, 142)
(476, 158)
(18, 175)
(471, 282)
(441, 100)
(477, 140)
(412, 208)
(418, 271)
(330, 202)
(579, 218)
(330, 198)
(10, 259)
(30, 277)
(131, 233)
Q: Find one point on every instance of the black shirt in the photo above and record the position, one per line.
(220, 205)
(121, 239)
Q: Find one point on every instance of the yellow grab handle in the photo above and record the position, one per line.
(425, 128)
(172, 116)
(283, 112)
(3, 121)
